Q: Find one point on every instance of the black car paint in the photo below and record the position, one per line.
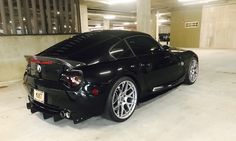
(163, 67)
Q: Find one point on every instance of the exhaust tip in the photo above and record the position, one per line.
(65, 114)
(62, 114)
(28, 105)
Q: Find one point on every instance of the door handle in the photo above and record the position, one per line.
(142, 65)
(147, 67)
(167, 56)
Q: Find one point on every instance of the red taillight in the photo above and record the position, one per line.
(41, 62)
(71, 79)
(75, 80)
(34, 61)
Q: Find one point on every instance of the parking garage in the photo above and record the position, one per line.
(202, 111)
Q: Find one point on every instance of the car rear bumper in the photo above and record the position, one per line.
(59, 103)
(57, 114)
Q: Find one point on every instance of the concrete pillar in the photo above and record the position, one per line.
(144, 16)
(153, 24)
(84, 17)
(106, 24)
(157, 26)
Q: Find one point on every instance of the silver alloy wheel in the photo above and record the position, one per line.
(124, 99)
(193, 71)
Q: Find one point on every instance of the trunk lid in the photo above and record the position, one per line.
(48, 68)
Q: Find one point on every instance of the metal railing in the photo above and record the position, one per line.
(24, 17)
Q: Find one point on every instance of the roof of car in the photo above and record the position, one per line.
(86, 46)
(118, 33)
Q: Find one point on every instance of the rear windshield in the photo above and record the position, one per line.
(83, 47)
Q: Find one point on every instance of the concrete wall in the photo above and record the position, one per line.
(181, 36)
(13, 49)
(164, 29)
(218, 26)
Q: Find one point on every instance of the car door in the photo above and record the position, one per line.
(170, 64)
(159, 67)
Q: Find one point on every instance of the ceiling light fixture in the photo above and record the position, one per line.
(164, 20)
(112, 2)
(98, 26)
(163, 14)
(126, 23)
(192, 2)
(109, 17)
(118, 28)
(187, 0)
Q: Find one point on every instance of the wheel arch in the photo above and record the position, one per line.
(187, 56)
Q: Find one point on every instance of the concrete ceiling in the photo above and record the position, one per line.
(168, 5)
(127, 12)
(99, 5)
(161, 5)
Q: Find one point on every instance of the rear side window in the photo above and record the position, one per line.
(120, 51)
(86, 48)
(142, 45)
(82, 43)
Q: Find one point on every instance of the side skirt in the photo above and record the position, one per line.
(168, 86)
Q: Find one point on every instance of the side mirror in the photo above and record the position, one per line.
(155, 49)
(166, 48)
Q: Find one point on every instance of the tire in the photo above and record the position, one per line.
(122, 100)
(192, 71)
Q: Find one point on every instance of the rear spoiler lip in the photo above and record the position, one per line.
(70, 63)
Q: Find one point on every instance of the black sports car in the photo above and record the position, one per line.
(103, 72)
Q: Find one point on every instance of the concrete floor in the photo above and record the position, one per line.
(204, 111)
